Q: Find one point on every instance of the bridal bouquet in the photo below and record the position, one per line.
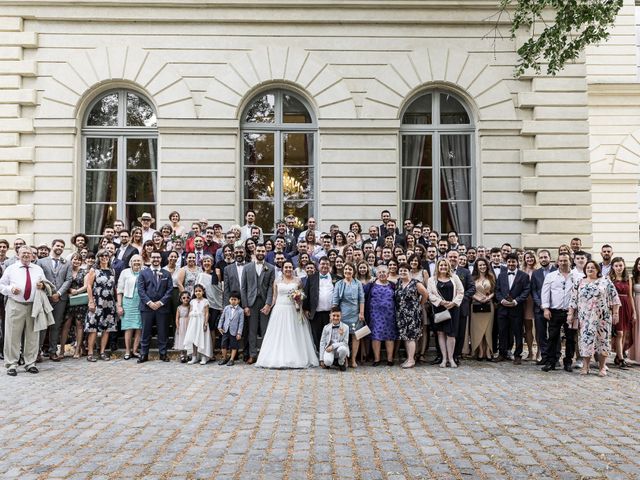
(297, 296)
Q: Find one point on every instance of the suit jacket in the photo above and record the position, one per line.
(537, 279)
(232, 321)
(312, 292)
(232, 282)
(60, 277)
(469, 289)
(519, 291)
(129, 252)
(325, 338)
(253, 285)
(270, 257)
(152, 289)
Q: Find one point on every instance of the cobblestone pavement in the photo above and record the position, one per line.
(167, 420)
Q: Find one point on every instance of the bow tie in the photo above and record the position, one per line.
(324, 277)
(511, 273)
(240, 264)
(335, 326)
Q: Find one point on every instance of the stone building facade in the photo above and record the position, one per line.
(335, 108)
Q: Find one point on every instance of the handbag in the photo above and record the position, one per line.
(362, 332)
(442, 316)
(481, 307)
(79, 299)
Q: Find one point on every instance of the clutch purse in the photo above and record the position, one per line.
(440, 317)
(481, 307)
(79, 299)
(362, 332)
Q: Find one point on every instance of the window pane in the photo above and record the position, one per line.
(300, 210)
(141, 187)
(132, 213)
(297, 183)
(139, 112)
(101, 186)
(456, 216)
(417, 184)
(264, 214)
(105, 112)
(262, 110)
(455, 150)
(102, 153)
(417, 150)
(418, 212)
(452, 111)
(298, 148)
(419, 112)
(142, 153)
(293, 111)
(97, 216)
(258, 148)
(454, 184)
(258, 183)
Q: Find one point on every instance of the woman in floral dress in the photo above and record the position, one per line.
(101, 290)
(595, 301)
(410, 296)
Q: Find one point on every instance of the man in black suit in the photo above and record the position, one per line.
(512, 290)
(495, 263)
(391, 230)
(257, 297)
(125, 251)
(318, 299)
(155, 288)
(469, 291)
(541, 323)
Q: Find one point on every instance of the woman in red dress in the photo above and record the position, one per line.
(624, 327)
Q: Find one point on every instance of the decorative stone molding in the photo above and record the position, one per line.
(472, 75)
(230, 89)
(626, 160)
(87, 70)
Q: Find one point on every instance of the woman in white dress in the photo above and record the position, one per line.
(287, 342)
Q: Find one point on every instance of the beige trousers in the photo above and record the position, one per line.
(18, 320)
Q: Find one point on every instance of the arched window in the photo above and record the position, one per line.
(278, 158)
(437, 163)
(120, 152)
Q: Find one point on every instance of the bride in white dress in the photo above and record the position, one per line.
(287, 342)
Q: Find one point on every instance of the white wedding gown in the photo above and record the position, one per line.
(287, 342)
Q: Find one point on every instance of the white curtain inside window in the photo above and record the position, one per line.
(455, 182)
(412, 152)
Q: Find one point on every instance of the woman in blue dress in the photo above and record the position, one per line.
(381, 313)
(348, 294)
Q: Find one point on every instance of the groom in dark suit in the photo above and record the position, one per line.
(318, 299)
(512, 290)
(257, 297)
(155, 288)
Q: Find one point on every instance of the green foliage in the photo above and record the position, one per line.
(577, 23)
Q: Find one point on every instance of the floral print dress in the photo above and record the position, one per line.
(104, 318)
(408, 311)
(592, 302)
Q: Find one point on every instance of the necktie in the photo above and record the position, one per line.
(55, 263)
(324, 277)
(27, 285)
(198, 258)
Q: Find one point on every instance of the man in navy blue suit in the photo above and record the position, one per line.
(512, 291)
(154, 287)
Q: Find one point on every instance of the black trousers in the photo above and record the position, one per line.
(460, 335)
(542, 336)
(556, 324)
(160, 318)
(510, 324)
(318, 321)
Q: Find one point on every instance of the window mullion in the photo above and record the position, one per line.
(277, 180)
(435, 161)
(122, 179)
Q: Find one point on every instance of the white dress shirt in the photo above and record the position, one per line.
(325, 294)
(240, 269)
(16, 276)
(511, 276)
(147, 234)
(259, 268)
(556, 291)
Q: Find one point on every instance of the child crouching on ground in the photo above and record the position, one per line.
(334, 341)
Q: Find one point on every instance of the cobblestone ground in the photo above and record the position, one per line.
(167, 420)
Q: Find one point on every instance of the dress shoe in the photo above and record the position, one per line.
(143, 358)
(251, 361)
(436, 361)
(567, 368)
(54, 358)
(164, 358)
(500, 358)
(32, 369)
(517, 361)
(375, 364)
(343, 367)
(223, 361)
(541, 362)
(548, 367)
(12, 372)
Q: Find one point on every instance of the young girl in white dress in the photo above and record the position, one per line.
(197, 336)
(182, 322)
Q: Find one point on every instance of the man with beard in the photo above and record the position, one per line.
(232, 274)
(541, 323)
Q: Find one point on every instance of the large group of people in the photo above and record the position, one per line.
(301, 298)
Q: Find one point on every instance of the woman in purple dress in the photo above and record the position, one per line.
(380, 306)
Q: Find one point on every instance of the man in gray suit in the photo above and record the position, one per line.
(257, 296)
(58, 271)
